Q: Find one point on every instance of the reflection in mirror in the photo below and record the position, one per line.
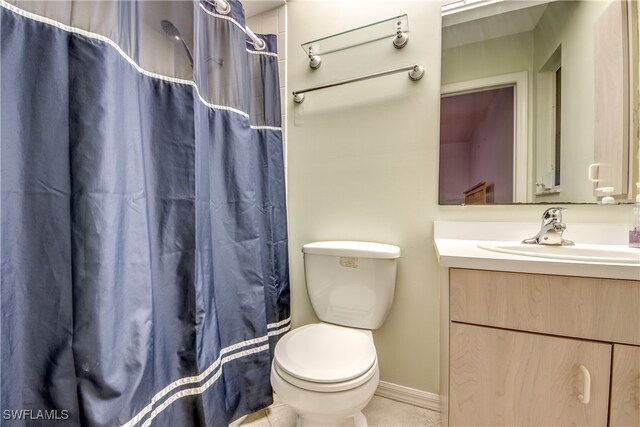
(539, 101)
(469, 121)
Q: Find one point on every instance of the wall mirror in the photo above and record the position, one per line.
(539, 101)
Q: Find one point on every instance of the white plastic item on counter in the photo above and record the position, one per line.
(607, 199)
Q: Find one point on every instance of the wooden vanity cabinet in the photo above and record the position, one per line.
(542, 350)
(625, 386)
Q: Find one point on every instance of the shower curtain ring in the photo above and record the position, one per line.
(259, 44)
(221, 6)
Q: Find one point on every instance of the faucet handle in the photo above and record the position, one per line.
(552, 215)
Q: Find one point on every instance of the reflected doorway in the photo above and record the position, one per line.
(452, 120)
(477, 146)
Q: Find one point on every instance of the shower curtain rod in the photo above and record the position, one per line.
(415, 73)
(223, 8)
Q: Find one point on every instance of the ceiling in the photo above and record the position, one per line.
(474, 29)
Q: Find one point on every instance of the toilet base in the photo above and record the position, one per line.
(331, 409)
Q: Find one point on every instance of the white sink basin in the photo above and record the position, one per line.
(590, 253)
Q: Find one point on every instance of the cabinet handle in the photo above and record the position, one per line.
(585, 397)
(593, 170)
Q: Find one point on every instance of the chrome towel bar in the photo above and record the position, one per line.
(415, 73)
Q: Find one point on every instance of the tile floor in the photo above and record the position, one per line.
(380, 412)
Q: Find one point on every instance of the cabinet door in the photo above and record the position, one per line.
(507, 378)
(625, 387)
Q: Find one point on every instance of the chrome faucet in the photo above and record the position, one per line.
(551, 229)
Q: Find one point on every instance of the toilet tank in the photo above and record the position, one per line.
(351, 283)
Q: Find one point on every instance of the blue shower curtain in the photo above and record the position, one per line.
(144, 275)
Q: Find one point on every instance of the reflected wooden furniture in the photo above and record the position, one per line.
(479, 194)
(616, 103)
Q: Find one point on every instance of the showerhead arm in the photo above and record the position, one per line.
(186, 49)
(171, 31)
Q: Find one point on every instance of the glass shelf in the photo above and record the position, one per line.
(357, 36)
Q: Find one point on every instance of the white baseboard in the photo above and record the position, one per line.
(409, 395)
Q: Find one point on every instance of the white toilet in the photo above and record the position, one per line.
(327, 372)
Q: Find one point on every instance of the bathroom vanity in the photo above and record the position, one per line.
(536, 341)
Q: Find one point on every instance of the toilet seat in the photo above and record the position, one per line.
(326, 387)
(325, 357)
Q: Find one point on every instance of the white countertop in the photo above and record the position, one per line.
(456, 245)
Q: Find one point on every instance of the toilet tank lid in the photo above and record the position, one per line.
(352, 249)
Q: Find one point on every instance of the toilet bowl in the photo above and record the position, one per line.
(327, 372)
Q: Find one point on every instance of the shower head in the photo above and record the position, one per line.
(171, 31)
